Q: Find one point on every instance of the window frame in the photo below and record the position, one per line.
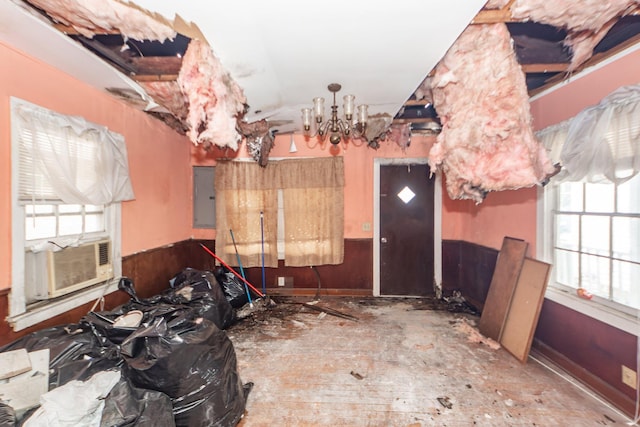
(604, 310)
(22, 315)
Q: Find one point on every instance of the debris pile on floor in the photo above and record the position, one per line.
(160, 361)
(473, 335)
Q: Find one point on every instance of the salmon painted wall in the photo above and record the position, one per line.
(158, 156)
(583, 91)
(502, 213)
(358, 165)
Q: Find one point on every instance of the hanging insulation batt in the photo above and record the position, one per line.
(486, 143)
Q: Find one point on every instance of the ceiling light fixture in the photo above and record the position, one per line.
(336, 127)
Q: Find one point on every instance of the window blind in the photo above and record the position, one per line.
(68, 159)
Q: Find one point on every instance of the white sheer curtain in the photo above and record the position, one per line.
(69, 159)
(601, 143)
(553, 138)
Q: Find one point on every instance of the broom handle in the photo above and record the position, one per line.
(232, 270)
(264, 289)
(246, 289)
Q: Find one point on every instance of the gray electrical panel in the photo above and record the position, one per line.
(204, 197)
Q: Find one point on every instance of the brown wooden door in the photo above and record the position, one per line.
(406, 230)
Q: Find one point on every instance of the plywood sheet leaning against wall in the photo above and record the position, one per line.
(503, 283)
(524, 312)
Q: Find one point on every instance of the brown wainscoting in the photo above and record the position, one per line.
(152, 270)
(354, 274)
(468, 268)
(588, 349)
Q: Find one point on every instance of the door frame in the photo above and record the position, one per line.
(437, 220)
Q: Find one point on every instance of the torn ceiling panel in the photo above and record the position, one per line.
(91, 17)
(28, 31)
(284, 53)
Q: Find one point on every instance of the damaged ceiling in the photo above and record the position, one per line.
(202, 68)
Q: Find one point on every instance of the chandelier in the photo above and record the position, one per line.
(335, 127)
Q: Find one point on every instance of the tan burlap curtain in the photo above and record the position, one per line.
(313, 192)
(243, 190)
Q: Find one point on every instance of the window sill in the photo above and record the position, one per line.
(608, 315)
(59, 306)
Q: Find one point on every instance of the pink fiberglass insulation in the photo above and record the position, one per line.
(486, 143)
(89, 17)
(215, 99)
(587, 22)
(589, 15)
(169, 95)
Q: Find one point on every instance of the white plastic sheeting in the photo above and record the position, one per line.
(601, 143)
(67, 158)
(77, 403)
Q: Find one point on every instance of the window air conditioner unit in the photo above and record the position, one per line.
(75, 268)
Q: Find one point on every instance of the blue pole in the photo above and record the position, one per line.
(264, 285)
(246, 288)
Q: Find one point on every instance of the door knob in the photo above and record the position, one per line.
(383, 240)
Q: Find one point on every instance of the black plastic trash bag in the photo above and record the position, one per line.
(130, 406)
(194, 363)
(200, 290)
(234, 289)
(66, 343)
(7, 415)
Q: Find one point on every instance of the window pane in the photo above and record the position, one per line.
(595, 275)
(69, 209)
(566, 268)
(626, 238)
(570, 197)
(599, 197)
(595, 235)
(93, 223)
(38, 209)
(42, 227)
(629, 196)
(70, 224)
(567, 231)
(625, 288)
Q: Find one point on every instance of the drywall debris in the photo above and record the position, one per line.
(486, 143)
(356, 375)
(473, 335)
(446, 402)
(259, 140)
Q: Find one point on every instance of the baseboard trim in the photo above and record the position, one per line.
(294, 292)
(587, 379)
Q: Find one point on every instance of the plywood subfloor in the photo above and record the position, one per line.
(405, 363)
